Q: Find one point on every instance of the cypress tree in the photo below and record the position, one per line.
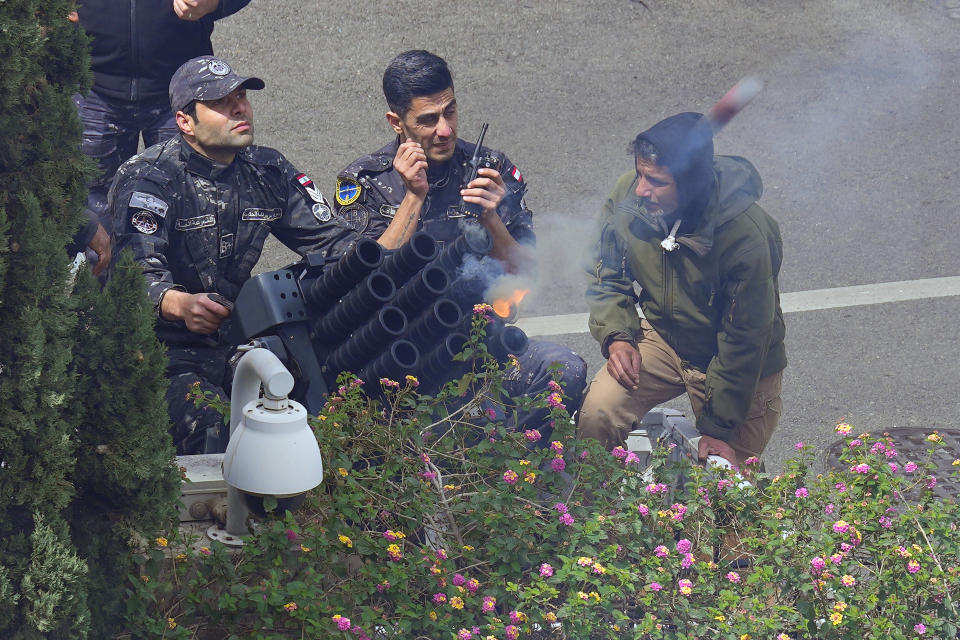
(42, 188)
(127, 481)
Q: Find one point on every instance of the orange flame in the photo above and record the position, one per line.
(503, 306)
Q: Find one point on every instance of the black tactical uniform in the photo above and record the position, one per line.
(199, 226)
(369, 192)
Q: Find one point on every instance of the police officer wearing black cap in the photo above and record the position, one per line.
(195, 210)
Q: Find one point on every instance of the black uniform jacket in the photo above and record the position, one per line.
(369, 191)
(199, 226)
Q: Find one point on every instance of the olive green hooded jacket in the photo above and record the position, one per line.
(714, 299)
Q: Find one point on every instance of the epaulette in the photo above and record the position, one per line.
(376, 162)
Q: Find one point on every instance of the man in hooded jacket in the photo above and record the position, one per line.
(685, 226)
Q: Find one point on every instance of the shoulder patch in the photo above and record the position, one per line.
(348, 191)
(148, 202)
(308, 186)
(321, 212)
(144, 222)
(356, 217)
(516, 174)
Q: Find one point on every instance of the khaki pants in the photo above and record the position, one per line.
(610, 412)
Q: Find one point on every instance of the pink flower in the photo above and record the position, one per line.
(840, 487)
(684, 545)
(920, 628)
(342, 623)
(733, 577)
(560, 507)
(687, 561)
(516, 617)
(910, 467)
(459, 580)
(555, 400)
(510, 476)
(491, 415)
(619, 453)
(439, 598)
(463, 634)
(489, 603)
(556, 446)
(546, 571)
(932, 483)
(656, 488)
(913, 566)
(472, 585)
(512, 632)
(441, 554)
(863, 467)
(566, 519)
(553, 385)
(798, 446)
(383, 586)
(291, 535)
(532, 435)
(801, 492)
(631, 458)
(655, 586)
(643, 509)
(751, 460)
(885, 522)
(686, 586)
(428, 475)
(661, 551)
(818, 563)
(840, 526)
(557, 464)
(828, 509)
(893, 466)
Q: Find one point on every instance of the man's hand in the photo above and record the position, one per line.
(193, 10)
(197, 310)
(624, 364)
(411, 163)
(100, 245)
(486, 190)
(714, 447)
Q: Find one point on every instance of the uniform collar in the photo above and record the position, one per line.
(201, 165)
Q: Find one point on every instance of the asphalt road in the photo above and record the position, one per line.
(856, 135)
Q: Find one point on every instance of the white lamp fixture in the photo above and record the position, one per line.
(272, 451)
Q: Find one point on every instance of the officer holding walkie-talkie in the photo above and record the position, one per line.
(429, 180)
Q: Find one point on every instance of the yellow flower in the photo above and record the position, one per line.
(530, 477)
(322, 418)
(162, 541)
(181, 556)
(836, 618)
(433, 616)
(343, 472)
(467, 547)
(594, 595)
(745, 636)
(305, 549)
(956, 462)
(171, 623)
(456, 602)
(840, 606)
(720, 618)
(550, 617)
(449, 487)
(290, 606)
(524, 463)
(934, 437)
(345, 540)
(145, 578)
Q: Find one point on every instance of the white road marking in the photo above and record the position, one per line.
(815, 300)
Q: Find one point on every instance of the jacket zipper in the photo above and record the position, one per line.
(667, 298)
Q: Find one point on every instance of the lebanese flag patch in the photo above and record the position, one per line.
(304, 180)
(516, 174)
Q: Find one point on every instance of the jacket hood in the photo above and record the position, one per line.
(737, 185)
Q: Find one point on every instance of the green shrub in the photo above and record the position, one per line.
(434, 522)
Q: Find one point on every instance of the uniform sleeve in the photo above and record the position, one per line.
(356, 205)
(747, 326)
(517, 218)
(308, 224)
(610, 294)
(142, 213)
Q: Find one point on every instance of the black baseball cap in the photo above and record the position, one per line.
(206, 78)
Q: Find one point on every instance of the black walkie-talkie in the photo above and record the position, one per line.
(477, 162)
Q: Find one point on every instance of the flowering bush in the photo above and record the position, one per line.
(436, 521)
